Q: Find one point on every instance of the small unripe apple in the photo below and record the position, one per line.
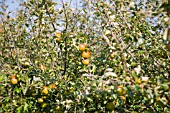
(165, 100)
(45, 90)
(123, 98)
(86, 54)
(85, 61)
(58, 39)
(42, 67)
(40, 100)
(13, 76)
(44, 97)
(57, 107)
(44, 105)
(161, 101)
(26, 64)
(110, 105)
(14, 81)
(82, 47)
(138, 81)
(58, 34)
(113, 54)
(52, 86)
(120, 90)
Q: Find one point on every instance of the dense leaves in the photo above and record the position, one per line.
(101, 57)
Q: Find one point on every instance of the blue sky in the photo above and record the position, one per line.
(14, 4)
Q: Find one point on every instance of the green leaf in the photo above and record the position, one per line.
(26, 107)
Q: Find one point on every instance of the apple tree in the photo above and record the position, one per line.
(85, 56)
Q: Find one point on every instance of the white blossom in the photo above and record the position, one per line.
(110, 74)
(145, 79)
(112, 18)
(137, 69)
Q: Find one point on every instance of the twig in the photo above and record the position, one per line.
(122, 16)
(65, 40)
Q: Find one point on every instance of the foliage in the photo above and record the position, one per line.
(42, 67)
